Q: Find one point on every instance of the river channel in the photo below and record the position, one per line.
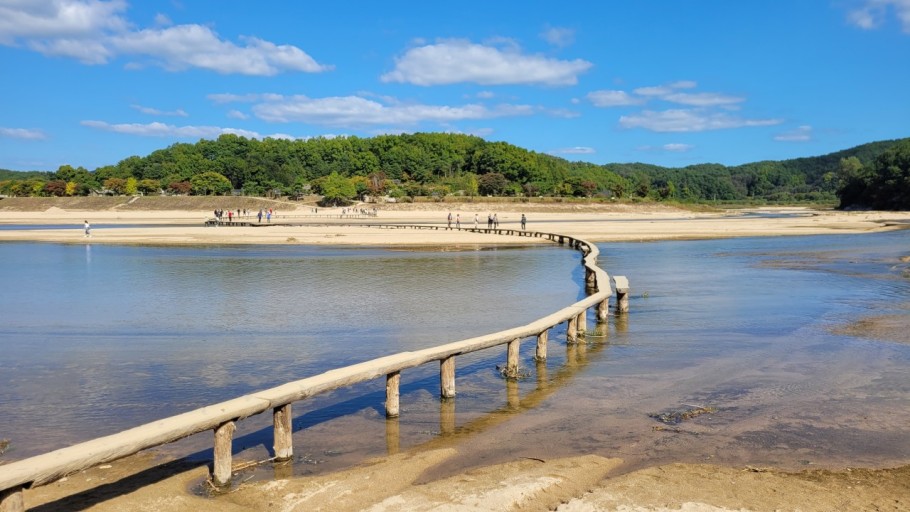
(97, 338)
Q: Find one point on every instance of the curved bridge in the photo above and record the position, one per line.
(222, 417)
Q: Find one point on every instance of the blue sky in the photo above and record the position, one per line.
(91, 82)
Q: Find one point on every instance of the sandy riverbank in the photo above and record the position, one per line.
(417, 479)
(327, 226)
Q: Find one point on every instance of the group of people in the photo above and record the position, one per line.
(360, 211)
(492, 221)
(243, 212)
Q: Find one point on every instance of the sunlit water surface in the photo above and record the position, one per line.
(96, 339)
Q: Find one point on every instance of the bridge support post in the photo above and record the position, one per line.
(590, 278)
(284, 441)
(541, 353)
(447, 377)
(603, 308)
(512, 359)
(221, 469)
(581, 321)
(622, 293)
(572, 330)
(12, 500)
(392, 383)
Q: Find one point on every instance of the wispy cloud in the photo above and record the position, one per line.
(156, 112)
(558, 36)
(577, 150)
(22, 133)
(236, 114)
(702, 99)
(356, 111)
(873, 13)
(671, 148)
(607, 98)
(709, 110)
(95, 32)
(180, 132)
(456, 61)
(801, 134)
(670, 93)
(689, 120)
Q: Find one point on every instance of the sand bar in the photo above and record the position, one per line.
(597, 223)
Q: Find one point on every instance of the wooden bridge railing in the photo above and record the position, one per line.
(221, 417)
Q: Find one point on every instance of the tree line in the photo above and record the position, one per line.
(440, 164)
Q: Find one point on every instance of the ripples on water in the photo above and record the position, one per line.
(110, 337)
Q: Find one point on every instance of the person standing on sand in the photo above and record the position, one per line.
(260, 215)
(458, 221)
(496, 221)
(524, 222)
(475, 221)
(88, 229)
(449, 225)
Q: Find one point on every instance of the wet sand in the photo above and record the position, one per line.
(418, 479)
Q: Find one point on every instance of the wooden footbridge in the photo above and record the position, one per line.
(221, 418)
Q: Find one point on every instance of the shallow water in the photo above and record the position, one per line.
(109, 337)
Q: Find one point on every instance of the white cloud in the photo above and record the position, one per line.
(485, 95)
(689, 120)
(577, 150)
(236, 114)
(234, 98)
(156, 112)
(701, 99)
(162, 20)
(669, 93)
(455, 61)
(38, 19)
(194, 46)
(613, 99)
(558, 36)
(22, 133)
(95, 32)
(672, 147)
(355, 111)
(801, 134)
(873, 13)
(180, 132)
(659, 90)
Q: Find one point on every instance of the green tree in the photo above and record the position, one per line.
(336, 189)
(492, 183)
(132, 186)
(115, 185)
(210, 183)
(149, 186)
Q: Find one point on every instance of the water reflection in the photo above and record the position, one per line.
(110, 337)
(740, 325)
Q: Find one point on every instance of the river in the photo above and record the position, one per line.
(99, 338)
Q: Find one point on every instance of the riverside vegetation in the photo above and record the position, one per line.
(435, 165)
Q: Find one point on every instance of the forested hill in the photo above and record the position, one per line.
(438, 164)
(810, 178)
(24, 175)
